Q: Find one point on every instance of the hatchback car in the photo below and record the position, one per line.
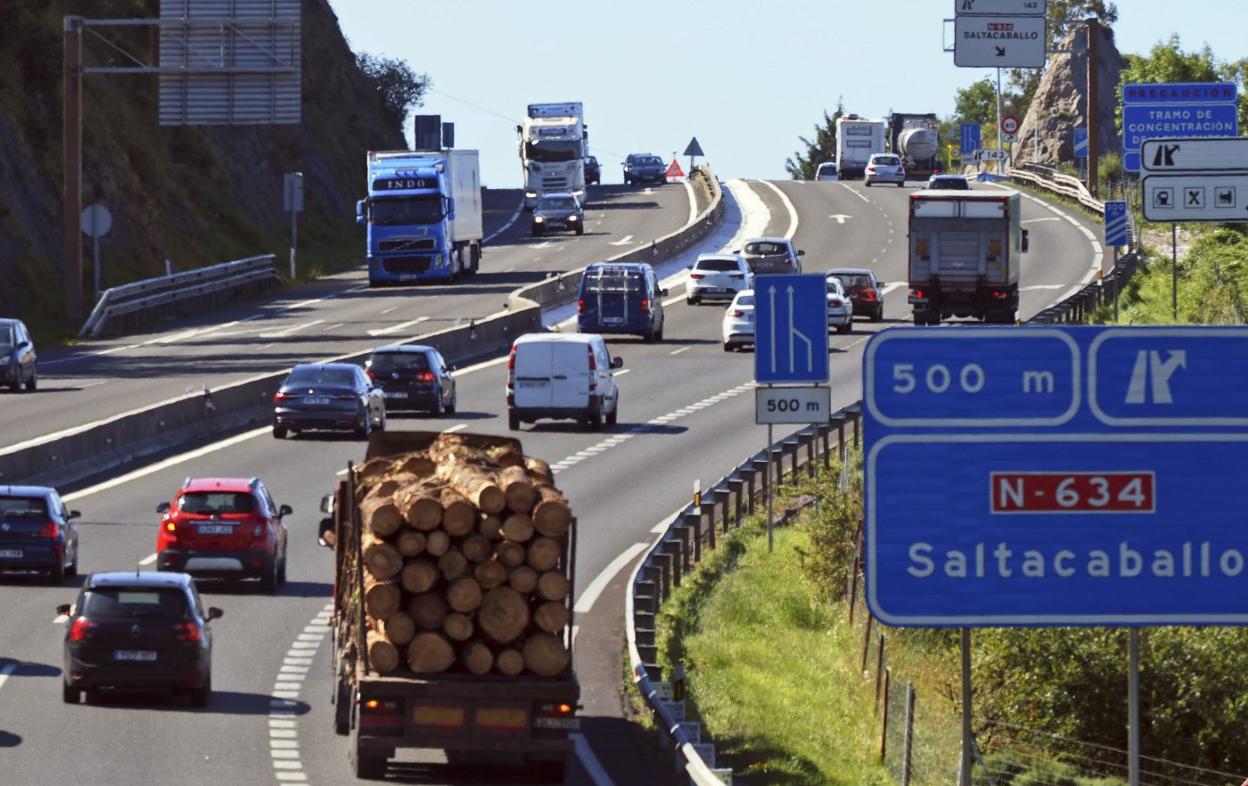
(18, 363)
(738, 323)
(328, 396)
(827, 171)
(717, 277)
(558, 211)
(413, 377)
(771, 255)
(840, 308)
(37, 532)
(948, 183)
(864, 290)
(224, 528)
(593, 171)
(145, 631)
(885, 168)
(644, 168)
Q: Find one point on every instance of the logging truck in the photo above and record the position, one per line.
(453, 588)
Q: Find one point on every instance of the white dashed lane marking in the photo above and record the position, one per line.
(283, 726)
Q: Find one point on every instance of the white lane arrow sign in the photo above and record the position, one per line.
(840, 218)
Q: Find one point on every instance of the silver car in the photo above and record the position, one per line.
(840, 308)
(885, 168)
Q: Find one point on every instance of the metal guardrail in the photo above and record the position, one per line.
(153, 293)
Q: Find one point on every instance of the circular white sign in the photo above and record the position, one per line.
(96, 221)
(1009, 124)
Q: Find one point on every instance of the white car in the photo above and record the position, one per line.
(717, 277)
(840, 308)
(562, 376)
(885, 168)
(948, 183)
(738, 327)
(827, 171)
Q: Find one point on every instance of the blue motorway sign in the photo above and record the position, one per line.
(1056, 476)
(969, 141)
(1116, 224)
(790, 328)
(1175, 110)
(1081, 143)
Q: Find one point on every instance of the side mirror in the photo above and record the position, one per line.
(801, 252)
(325, 533)
(327, 503)
(879, 284)
(1026, 240)
(215, 613)
(65, 608)
(617, 362)
(359, 212)
(663, 292)
(73, 514)
(454, 367)
(162, 507)
(285, 510)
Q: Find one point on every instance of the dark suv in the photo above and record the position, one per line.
(37, 532)
(224, 528)
(138, 630)
(18, 365)
(644, 168)
(593, 172)
(413, 377)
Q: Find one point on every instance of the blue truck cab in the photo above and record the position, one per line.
(422, 215)
(621, 297)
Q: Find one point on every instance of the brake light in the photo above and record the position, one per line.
(80, 629)
(736, 312)
(580, 306)
(920, 247)
(556, 709)
(368, 372)
(918, 293)
(1000, 294)
(281, 395)
(871, 170)
(994, 248)
(426, 376)
(188, 631)
(511, 366)
(593, 368)
(867, 294)
(696, 276)
(645, 306)
(49, 530)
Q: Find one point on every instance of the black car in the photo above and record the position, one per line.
(558, 211)
(37, 532)
(413, 377)
(18, 363)
(644, 168)
(138, 630)
(328, 396)
(593, 172)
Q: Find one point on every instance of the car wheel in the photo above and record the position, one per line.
(878, 315)
(362, 431)
(580, 230)
(513, 421)
(450, 408)
(201, 695)
(73, 566)
(439, 409)
(70, 695)
(848, 327)
(613, 416)
(281, 572)
(380, 425)
(33, 382)
(648, 337)
(268, 582)
(279, 432)
(595, 422)
(57, 575)
(692, 301)
(867, 183)
(537, 232)
(727, 347)
(342, 708)
(658, 336)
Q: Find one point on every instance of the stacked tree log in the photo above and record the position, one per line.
(464, 561)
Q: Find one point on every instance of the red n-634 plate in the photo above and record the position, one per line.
(1073, 492)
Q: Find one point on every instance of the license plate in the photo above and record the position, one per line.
(317, 400)
(395, 394)
(11, 553)
(135, 655)
(614, 320)
(530, 384)
(214, 529)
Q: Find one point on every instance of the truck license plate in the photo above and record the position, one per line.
(134, 655)
(11, 553)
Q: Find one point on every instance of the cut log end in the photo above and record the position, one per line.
(477, 657)
(430, 653)
(545, 655)
(509, 662)
(503, 615)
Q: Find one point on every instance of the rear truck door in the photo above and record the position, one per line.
(534, 382)
(959, 255)
(570, 364)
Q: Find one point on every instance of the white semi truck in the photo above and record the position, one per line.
(857, 139)
(553, 145)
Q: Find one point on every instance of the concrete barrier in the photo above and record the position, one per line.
(78, 454)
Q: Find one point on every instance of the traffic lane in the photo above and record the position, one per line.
(783, 221)
(343, 316)
(839, 228)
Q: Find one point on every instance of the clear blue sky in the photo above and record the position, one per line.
(747, 77)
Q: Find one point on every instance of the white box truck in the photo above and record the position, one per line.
(857, 139)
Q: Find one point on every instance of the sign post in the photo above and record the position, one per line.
(292, 202)
(96, 221)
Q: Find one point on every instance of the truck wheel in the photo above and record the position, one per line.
(342, 708)
(920, 319)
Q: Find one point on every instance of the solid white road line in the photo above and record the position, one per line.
(396, 328)
(594, 767)
(1039, 220)
(693, 203)
(285, 332)
(788, 206)
(621, 372)
(456, 427)
(678, 351)
(148, 560)
(624, 241)
(892, 286)
(590, 596)
(855, 193)
(506, 226)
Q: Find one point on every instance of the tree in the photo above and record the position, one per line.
(399, 87)
(1167, 62)
(977, 103)
(802, 166)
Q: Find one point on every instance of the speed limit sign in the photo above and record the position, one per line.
(1009, 125)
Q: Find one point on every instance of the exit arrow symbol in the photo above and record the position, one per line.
(840, 219)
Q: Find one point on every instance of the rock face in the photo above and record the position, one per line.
(1047, 133)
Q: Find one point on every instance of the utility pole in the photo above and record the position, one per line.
(71, 196)
(1094, 38)
(1000, 133)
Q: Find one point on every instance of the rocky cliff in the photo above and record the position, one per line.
(1047, 134)
(193, 195)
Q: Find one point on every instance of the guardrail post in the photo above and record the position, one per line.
(723, 499)
(675, 548)
(693, 523)
(664, 560)
(838, 420)
(775, 458)
(790, 446)
(855, 413)
(758, 467)
(738, 501)
(809, 437)
(825, 432)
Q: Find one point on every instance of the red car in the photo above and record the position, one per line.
(224, 528)
(864, 289)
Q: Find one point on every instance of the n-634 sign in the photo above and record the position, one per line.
(792, 405)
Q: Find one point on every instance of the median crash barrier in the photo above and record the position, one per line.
(689, 535)
(78, 454)
(155, 295)
(560, 289)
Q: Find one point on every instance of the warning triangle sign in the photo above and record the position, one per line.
(694, 149)
(674, 170)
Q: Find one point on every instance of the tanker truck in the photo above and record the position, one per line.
(916, 138)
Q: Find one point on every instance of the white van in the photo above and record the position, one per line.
(562, 376)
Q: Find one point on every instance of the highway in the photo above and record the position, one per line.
(686, 415)
(330, 317)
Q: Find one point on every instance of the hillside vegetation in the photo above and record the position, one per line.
(194, 195)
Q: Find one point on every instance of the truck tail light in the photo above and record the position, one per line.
(556, 716)
(918, 294)
(1000, 294)
(994, 248)
(381, 714)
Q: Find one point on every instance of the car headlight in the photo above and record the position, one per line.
(538, 219)
(530, 195)
(571, 218)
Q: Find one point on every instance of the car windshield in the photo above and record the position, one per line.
(613, 280)
(651, 161)
(207, 502)
(765, 248)
(744, 300)
(120, 603)
(553, 151)
(406, 211)
(320, 375)
(888, 160)
(853, 281)
(716, 264)
(23, 507)
(399, 361)
(557, 203)
(6, 335)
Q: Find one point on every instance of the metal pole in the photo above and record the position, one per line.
(1000, 142)
(1133, 707)
(71, 194)
(1094, 174)
(294, 238)
(95, 253)
(1174, 271)
(908, 740)
(964, 777)
(770, 538)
